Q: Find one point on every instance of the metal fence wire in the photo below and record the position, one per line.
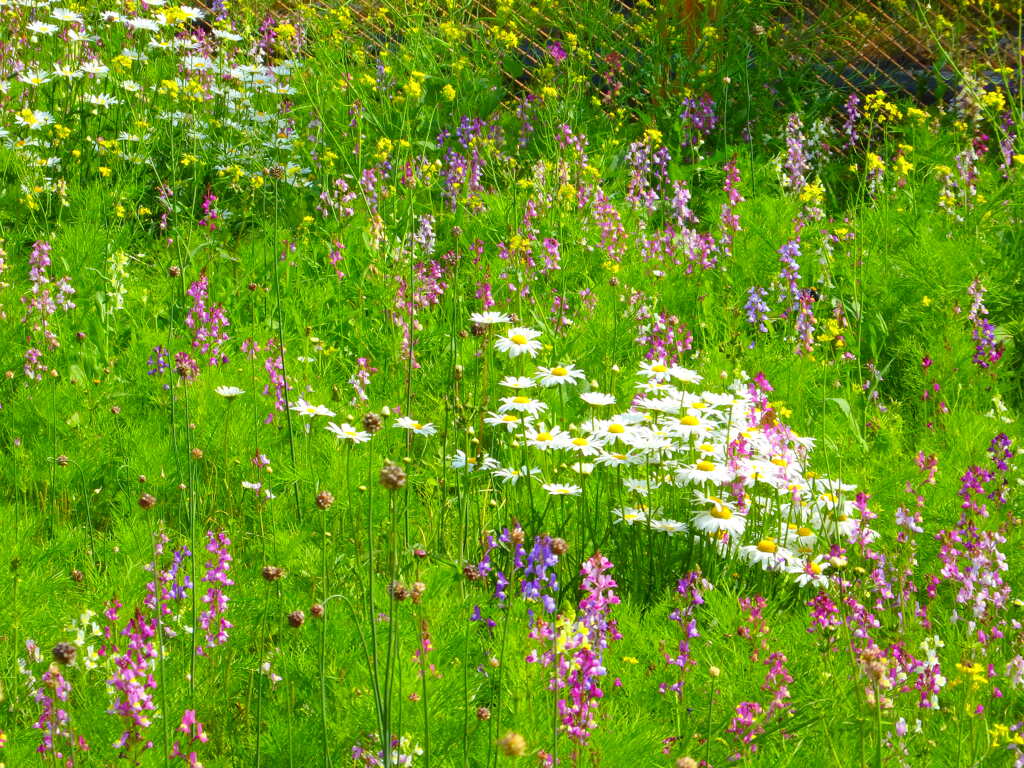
(904, 47)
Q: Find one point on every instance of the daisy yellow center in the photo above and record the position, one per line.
(659, 368)
(417, 425)
(706, 448)
(558, 371)
(768, 546)
(471, 461)
(518, 339)
(580, 441)
(616, 429)
(698, 405)
(705, 466)
(690, 421)
(804, 531)
(814, 568)
(720, 512)
(510, 418)
(521, 400)
(543, 437)
(779, 462)
(843, 518)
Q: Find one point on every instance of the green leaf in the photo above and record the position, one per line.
(844, 406)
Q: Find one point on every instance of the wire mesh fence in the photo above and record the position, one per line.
(663, 48)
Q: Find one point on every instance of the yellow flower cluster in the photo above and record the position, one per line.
(880, 110)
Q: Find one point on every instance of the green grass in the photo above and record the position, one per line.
(344, 164)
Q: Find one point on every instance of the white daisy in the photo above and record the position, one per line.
(308, 409)
(584, 445)
(517, 341)
(545, 439)
(404, 422)
(719, 516)
(489, 318)
(560, 374)
(671, 527)
(767, 554)
(522, 404)
(513, 474)
(517, 382)
(229, 392)
(630, 515)
(561, 489)
(809, 571)
(508, 420)
(347, 432)
(597, 398)
(462, 460)
(42, 28)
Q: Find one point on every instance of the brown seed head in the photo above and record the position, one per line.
(686, 762)
(64, 653)
(483, 713)
(296, 619)
(174, 271)
(559, 546)
(62, 460)
(324, 499)
(77, 576)
(392, 476)
(398, 590)
(272, 573)
(512, 744)
(197, 453)
(471, 572)
(417, 590)
(372, 422)
(147, 500)
(316, 610)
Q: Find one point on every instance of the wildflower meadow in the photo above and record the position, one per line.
(506, 383)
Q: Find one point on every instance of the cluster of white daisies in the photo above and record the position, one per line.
(680, 459)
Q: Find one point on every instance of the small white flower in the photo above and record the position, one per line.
(517, 382)
(597, 398)
(489, 318)
(522, 404)
(561, 489)
(347, 432)
(671, 527)
(517, 341)
(308, 409)
(560, 374)
(229, 392)
(404, 422)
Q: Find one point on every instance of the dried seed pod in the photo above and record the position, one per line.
(64, 653)
(147, 501)
(324, 500)
(512, 744)
(316, 610)
(296, 619)
(392, 476)
(272, 573)
(372, 423)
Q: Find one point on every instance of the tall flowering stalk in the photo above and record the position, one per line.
(986, 350)
(575, 649)
(207, 323)
(728, 218)
(42, 302)
(212, 619)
